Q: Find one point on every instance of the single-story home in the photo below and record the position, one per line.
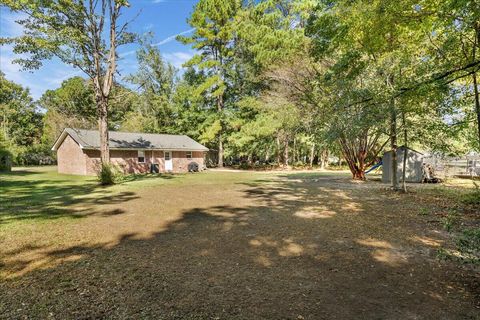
(78, 152)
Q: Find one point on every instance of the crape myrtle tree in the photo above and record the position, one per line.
(375, 51)
(82, 33)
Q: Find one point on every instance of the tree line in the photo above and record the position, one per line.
(272, 81)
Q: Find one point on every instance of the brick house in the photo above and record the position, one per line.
(78, 152)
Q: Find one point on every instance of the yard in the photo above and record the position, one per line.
(225, 245)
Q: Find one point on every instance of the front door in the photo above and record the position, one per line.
(168, 161)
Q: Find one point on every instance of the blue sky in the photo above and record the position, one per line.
(165, 18)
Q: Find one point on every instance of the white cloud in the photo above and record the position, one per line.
(148, 27)
(173, 37)
(160, 43)
(54, 72)
(178, 58)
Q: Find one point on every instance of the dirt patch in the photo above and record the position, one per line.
(248, 246)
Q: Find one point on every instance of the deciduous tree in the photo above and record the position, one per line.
(84, 34)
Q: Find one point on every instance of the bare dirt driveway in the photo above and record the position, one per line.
(223, 245)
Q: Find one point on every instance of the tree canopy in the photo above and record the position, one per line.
(283, 82)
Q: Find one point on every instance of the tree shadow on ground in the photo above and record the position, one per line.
(147, 176)
(45, 199)
(300, 249)
(20, 173)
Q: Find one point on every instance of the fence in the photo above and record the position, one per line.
(465, 166)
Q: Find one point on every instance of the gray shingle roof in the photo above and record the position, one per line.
(90, 139)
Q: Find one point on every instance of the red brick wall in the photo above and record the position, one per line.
(158, 157)
(128, 160)
(70, 157)
(125, 159)
(180, 161)
(73, 160)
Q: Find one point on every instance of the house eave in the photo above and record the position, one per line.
(62, 137)
(148, 149)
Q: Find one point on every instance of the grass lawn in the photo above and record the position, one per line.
(227, 245)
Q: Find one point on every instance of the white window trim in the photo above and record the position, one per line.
(191, 155)
(170, 153)
(138, 156)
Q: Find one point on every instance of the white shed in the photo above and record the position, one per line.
(413, 166)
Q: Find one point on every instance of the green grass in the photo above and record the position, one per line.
(40, 194)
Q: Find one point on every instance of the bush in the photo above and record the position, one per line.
(245, 166)
(5, 160)
(450, 220)
(109, 174)
(299, 164)
(34, 155)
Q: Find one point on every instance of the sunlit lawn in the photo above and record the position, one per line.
(40, 194)
(225, 245)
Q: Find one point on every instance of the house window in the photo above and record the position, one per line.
(167, 155)
(189, 155)
(141, 156)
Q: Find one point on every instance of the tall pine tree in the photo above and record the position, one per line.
(214, 38)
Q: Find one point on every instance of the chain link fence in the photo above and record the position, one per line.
(446, 167)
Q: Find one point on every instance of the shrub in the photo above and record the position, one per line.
(298, 164)
(109, 174)
(245, 166)
(37, 154)
(5, 160)
(450, 220)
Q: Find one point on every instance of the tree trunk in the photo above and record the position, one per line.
(477, 103)
(286, 156)
(322, 160)
(278, 151)
(357, 172)
(103, 129)
(220, 135)
(358, 175)
(393, 145)
(295, 158)
(312, 155)
(220, 151)
(475, 82)
(405, 151)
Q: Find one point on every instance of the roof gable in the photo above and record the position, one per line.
(403, 148)
(90, 139)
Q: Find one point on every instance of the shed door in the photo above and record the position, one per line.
(168, 161)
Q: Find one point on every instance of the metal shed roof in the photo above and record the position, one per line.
(402, 148)
(90, 139)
